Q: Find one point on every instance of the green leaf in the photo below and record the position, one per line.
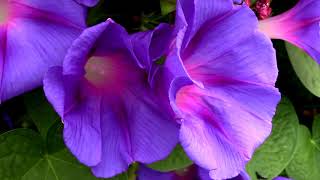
(316, 129)
(40, 111)
(176, 160)
(20, 150)
(167, 6)
(304, 165)
(24, 157)
(306, 68)
(271, 158)
(251, 172)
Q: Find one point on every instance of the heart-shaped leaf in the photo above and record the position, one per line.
(307, 69)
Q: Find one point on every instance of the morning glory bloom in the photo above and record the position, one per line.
(203, 175)
(299, 26)
(34, 35)
(145, 173)
(242, 176)
(222, 86)
(112, 116)
(89, 3)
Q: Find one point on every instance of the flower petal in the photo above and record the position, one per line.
(136, 131)
(78, 53)
(132, 121)
(203, 174)
(194, 13)
(3, 40)
(116, 144)
(246, 55)
(221, 129)
(145, 173)
(281, 178)
(89, 3)
(149, 46)
(31, 48)
(299, 26)
(82, 132)
(153, 131)
(227, 113)
(56, 10)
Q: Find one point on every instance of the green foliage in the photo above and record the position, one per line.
(305, 164)
(167, 6)
(175, 161)
(306, 68)
(28, 155)
(25, 156)
(290, 147)
(97, 14)
(316, 130)
(272, 157)
(40, 111)
(20, 150)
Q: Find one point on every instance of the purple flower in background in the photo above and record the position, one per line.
(299, 26)
(34, 35)
(89, 3)
(145, 173)
(242, 176)
(112, 117)
(281, 178)
(203, 174)
(222, 87)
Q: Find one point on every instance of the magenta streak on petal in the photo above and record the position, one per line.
(17, 10)
(193, 100)
(3, 42)
(279, 27)
(189, 100)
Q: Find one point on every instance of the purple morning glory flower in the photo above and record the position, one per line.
(34, 35)
(89, 3)
(299, 26)
(224, 72)
(145, 173)
(281, 178)
(203, 174)
(112, 116)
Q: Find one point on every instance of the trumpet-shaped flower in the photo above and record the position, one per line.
(34, 35)
(112, 116)
(224, 71)
(299, 26)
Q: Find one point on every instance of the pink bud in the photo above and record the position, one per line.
(263, 9)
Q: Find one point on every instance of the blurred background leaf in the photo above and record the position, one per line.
(40, 111)
(307, 69)
(167, 6)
